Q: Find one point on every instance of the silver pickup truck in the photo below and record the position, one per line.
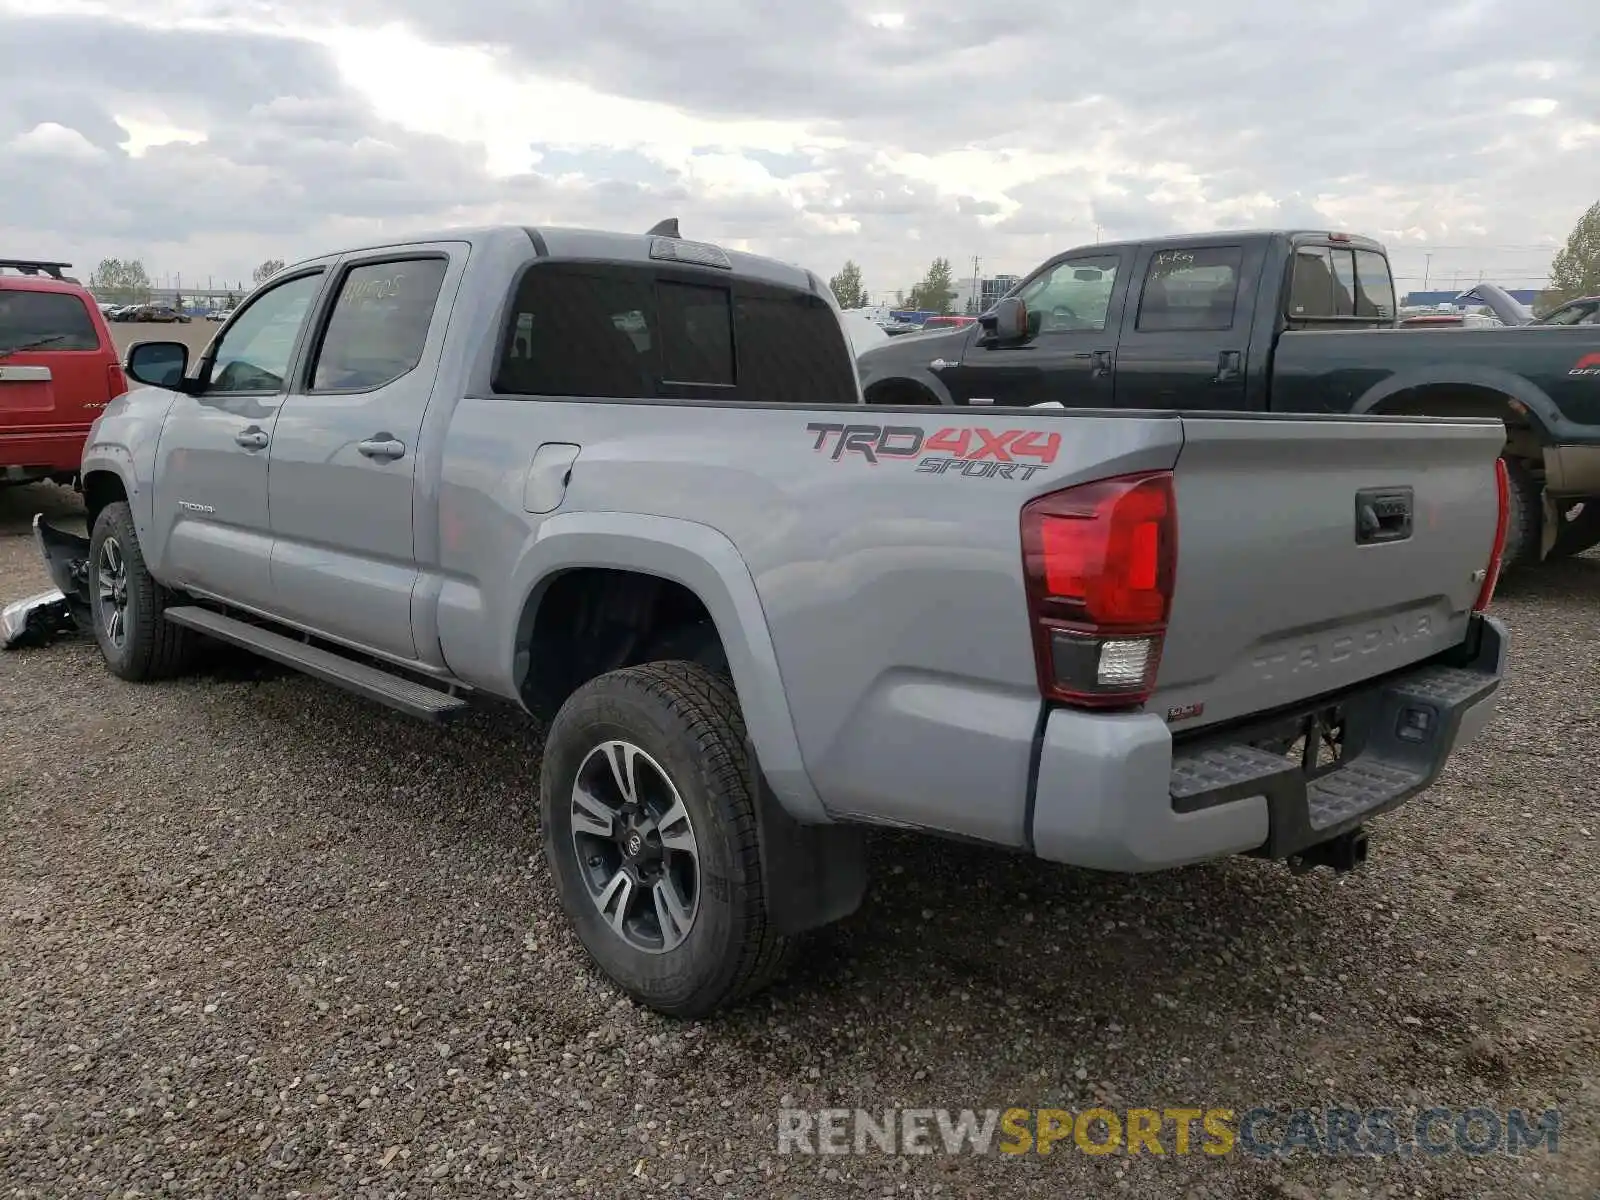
(627, 483)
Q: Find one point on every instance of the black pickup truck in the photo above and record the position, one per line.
(1278, 321)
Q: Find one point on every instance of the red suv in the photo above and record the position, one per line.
(58, 370)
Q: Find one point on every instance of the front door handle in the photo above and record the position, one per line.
(382, 445)
(1229, 365)
(1100, 363)
(253, 438)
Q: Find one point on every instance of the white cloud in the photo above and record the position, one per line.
(50, 140)
(249, 128)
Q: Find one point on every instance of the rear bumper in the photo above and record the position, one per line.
(1115, 793)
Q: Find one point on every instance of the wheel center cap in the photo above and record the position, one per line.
(634, 845)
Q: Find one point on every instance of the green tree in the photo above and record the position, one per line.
(1575, 270)
(120, 281)
(937, 288)
(847, 286)
(266, 271)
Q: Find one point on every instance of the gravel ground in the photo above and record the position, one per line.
(259, 938)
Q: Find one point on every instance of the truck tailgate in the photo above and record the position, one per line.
(1317, 553)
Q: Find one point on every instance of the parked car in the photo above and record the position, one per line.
(1274, 321)
(947, 321)
(58, 370)
(161, 314)
(628, 483)
(219, 314)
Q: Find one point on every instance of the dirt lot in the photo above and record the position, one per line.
(258, 938)
(196, 335)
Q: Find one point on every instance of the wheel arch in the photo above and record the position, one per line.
(683, 564)
(1530, 415)
(906, 391)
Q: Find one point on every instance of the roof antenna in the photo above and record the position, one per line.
(667, 228)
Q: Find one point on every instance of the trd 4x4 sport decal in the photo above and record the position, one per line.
(974, 453)
(1589, 364)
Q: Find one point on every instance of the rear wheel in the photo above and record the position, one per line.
(1525, 510)
(1578, 531)
(136, 640)
(650, 831)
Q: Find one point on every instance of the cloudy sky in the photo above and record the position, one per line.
(205, 135)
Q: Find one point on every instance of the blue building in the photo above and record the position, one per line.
(1433, 299)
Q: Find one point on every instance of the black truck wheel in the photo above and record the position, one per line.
(1525, 511)
(650, 832)
(136, 640)
(1578, 531)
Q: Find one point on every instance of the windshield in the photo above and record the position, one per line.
(59, 320)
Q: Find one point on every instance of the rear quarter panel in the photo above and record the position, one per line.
(1358, 370)
(893, 595)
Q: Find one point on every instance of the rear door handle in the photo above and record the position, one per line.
(1229, 365)
(382, 445)
(253, 438)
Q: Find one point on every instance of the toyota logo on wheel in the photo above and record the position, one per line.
(633, 845)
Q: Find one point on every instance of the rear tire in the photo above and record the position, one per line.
(136, 640)
(1579, 534)
(692, 949)
(1525, 512)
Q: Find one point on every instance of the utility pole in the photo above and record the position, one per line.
(977, 287)
(1427, 270)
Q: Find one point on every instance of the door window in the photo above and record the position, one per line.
(253, 354)
(1189, 289)
(1071, 296)
(379, 324)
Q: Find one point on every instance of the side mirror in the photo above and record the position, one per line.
(158, 364)
(1007, 321)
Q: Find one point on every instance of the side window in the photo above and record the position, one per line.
(1071, 296)
(1190, 289)
(581, 332)
(1311, 289)
(1374, 287)
(253, 354)
(378, 325)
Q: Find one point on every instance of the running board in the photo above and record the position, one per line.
(410, 697)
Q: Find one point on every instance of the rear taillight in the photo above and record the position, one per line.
(1099, 561)
(1491, 574)
(116, 380)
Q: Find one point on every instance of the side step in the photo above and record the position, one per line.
(410, 697)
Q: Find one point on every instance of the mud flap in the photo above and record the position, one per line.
(814, 874)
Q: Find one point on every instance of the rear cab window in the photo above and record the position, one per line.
(49, 320)
(586, 330)
(1340, 283)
